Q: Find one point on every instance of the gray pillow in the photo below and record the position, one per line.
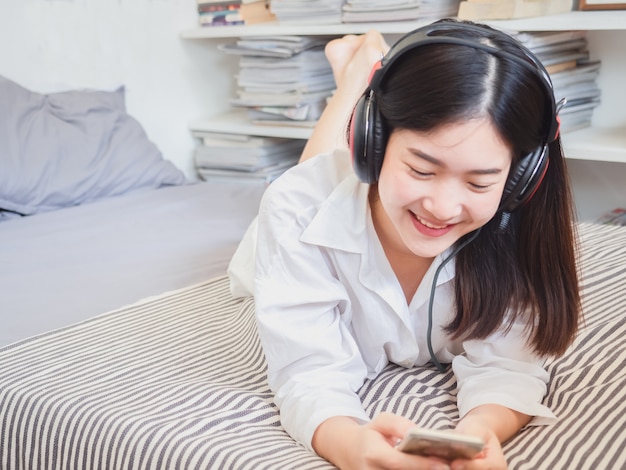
(69, 148)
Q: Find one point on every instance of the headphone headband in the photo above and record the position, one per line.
(427, 35)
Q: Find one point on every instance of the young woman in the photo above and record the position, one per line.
(446, 236)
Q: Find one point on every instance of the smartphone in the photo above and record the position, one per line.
(447, 445)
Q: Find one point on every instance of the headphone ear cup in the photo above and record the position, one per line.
(524, 179)
(367, 139)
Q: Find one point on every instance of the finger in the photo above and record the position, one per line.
(391, 425)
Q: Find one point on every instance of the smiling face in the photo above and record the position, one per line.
(434, 187)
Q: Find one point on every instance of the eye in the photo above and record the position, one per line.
(480, 187)
(421, 173)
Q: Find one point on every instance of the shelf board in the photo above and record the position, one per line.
(583, 20)
(592, 144)
(596, 144)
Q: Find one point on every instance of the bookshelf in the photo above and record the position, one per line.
(588, 20)
(602, 144)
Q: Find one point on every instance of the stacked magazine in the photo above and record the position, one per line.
(355, 11)
(282, 79)
(566, 58)
(244, 157)
(307, 11)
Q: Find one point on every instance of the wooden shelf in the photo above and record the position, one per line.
(596, 144)
(582, 20)
(597, 154)
(593, 144)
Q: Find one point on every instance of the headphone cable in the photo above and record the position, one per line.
(432, 298)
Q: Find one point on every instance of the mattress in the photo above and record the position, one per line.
(63, 266)
(178, 381)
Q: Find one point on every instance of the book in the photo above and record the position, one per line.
(247, 157)
(225, 17)
(255, 12)
(509, 9)
(223, 139)
(272, 46)
(234, 12)
(566, 58)
(214, 7)
(355, 11)
(266, 175)
(236, 156)
(307, 11)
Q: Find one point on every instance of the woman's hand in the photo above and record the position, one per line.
(352, 446)
(494, 424)
(491, 458)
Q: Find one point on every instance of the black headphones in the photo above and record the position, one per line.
(368, 134)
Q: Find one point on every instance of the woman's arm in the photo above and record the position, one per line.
(351, 58)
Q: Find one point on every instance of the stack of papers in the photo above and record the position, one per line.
(508, 9)
(307, 11)
(282, 78)
(566, 58)
(244, 157)
(355, 11)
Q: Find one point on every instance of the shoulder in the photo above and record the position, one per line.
(309, 183)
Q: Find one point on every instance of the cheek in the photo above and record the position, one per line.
(485, 206)
(396, 190)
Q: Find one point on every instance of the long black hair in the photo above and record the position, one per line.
(529, 268)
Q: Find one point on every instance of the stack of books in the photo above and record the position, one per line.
(307, 11)
(509, 9)
(355, 11)
(233, 12)
(222, 156)
(282, 79)
(566, 58)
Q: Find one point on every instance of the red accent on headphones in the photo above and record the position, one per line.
(543, 174)
(375, 68)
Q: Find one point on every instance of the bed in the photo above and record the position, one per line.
(122, 347)
(92, 217)
(177, 381)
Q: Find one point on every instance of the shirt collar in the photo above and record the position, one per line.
(346, 210)
(340, 222)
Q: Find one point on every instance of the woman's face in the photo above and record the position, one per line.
(434, 187)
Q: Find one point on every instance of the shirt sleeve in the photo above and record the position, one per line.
(502, 370)
(303, 316)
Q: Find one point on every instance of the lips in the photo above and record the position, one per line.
(429, 229)
(428, 224)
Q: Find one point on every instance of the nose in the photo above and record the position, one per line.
(444, 201)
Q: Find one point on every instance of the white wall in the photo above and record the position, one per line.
(54, 45)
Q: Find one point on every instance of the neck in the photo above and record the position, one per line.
(408, 267)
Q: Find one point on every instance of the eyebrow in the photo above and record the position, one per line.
(439, 163)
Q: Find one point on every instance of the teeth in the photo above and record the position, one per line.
(429, 225)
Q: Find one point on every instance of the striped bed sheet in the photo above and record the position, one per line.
(178, 381)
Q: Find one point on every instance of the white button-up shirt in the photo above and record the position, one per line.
(332, 313)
